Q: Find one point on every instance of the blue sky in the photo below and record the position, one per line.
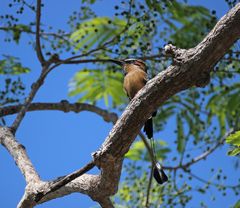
(59, 143)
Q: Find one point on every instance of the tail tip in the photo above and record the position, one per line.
(159, 174)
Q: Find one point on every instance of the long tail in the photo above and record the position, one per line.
(148, 128)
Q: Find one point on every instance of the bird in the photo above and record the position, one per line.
(135, 78)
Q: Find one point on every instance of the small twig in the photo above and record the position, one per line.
(227, 72)
(202, 156)
(38, 43)
(208, 152)
(211, 183)
(73, 60)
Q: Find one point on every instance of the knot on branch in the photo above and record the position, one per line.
(101, 160)
(32, 193)
(54, 58)
(65, 105)
(5, 132)
(176, 53)
(110, 117)
(203, 79)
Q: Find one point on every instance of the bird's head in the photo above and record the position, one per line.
(131, 62)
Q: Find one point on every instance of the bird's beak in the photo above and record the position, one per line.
(118, 62)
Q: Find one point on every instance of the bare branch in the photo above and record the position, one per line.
(40, 80)
(22, 112)
(38, 43)
(211, 183)
(203, 155)
(19, 155)
(64, 106)
(208, 152)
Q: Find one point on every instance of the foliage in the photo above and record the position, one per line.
(14, 88)
(138, 151)
(133, 192)
(96, 31)
(198, 117)
(234, 140)
(93, 85)
(12, 65)
(17, 31)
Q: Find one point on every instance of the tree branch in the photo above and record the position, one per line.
(24, 107)
(64, 106)
(208, 152)
(203, 155)
(19, 155)
(38, 43)
(65, 180)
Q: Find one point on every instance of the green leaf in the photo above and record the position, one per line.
(234, 152)
(95, 85)
(17, 30)
(89, 1)
(137, 151)
(189, 29)
(233, 101)
(234, 140)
